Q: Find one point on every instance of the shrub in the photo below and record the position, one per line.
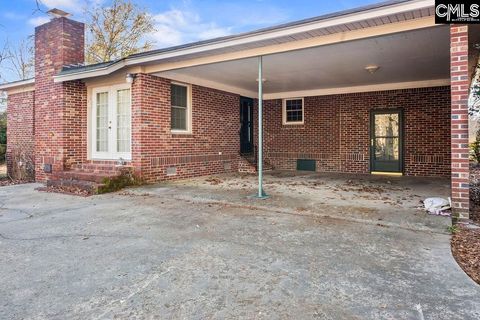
(23, 167)
(125, 179)
(475, 148)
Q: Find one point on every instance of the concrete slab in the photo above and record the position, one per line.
(391, 201)
(159, 257)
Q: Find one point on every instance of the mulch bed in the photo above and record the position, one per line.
(466, 250)
(73, 191)
(5, 181)
(475, 212)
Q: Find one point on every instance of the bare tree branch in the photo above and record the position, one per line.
(117, 31)
(21, 59)
(4, 57)
(38, 7)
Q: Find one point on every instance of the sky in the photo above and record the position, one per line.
(177, 22)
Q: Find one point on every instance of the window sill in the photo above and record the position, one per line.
(181, 134)
(293, 124)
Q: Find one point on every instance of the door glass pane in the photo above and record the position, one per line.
(123, 120)
(102, 122)
(386, 125)
(386, 149)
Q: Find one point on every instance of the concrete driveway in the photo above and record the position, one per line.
(157, 255)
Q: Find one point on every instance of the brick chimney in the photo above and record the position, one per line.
(58, 43)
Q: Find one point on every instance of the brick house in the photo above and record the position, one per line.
(377, 89)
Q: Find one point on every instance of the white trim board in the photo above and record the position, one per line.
(358, 89)
(308, 93)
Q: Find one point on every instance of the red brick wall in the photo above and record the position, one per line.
(57, 43)
(212, 147)
(336, 131)
(20, 135)
(75, 123)
(460, 82)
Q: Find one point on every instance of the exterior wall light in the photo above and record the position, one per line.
(130, 77)
(372, 68)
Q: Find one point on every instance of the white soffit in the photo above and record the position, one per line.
(414, 56)
(370, 18)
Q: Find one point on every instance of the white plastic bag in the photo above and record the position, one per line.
(437, 206)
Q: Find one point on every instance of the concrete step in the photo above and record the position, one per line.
(87, 177)
(107, 169)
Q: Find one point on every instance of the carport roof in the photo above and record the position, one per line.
(76, 68)
(374, 15)
(412, 59)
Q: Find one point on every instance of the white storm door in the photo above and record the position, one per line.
(111, 123)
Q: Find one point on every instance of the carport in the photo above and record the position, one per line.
(377, 104)
(379, 89)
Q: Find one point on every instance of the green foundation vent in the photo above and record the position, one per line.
(306, 165)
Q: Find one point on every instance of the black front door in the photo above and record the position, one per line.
(386, 141)
(246, 125)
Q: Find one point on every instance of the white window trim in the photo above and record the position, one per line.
(284, 112)
(112, 98)
(189, 109)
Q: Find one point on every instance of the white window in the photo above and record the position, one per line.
(293, 111)
(111, 123)
(181, 108)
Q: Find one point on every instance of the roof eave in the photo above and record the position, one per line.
(16, 84)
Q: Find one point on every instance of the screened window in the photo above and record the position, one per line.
(293, 111)
(179, 112)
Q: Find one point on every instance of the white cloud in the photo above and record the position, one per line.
(73, 5)
(37, 21)
(70, 6)
(176, 27)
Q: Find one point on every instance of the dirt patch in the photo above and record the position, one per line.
(466, 250)
(356, 186)
(214, 181)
